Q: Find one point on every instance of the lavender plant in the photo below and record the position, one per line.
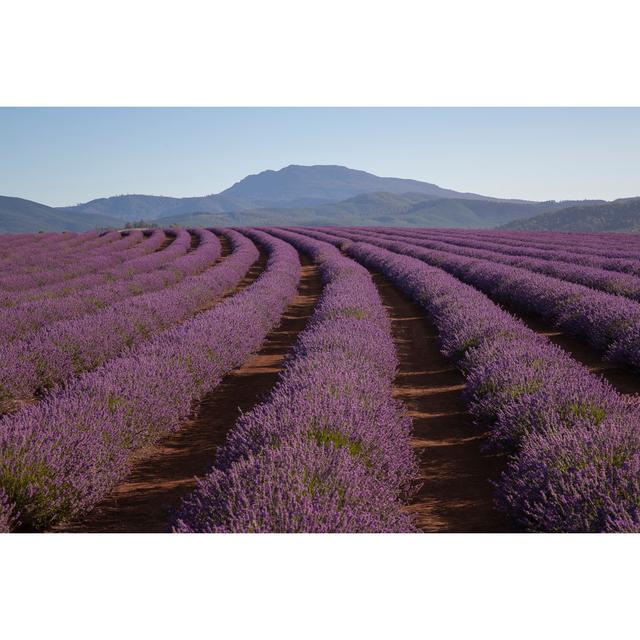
(606, 321)
(58, 458)
(57, 352)
(529, 392)
(613, 282)
(61, 282)
(20, 320)
(329, 450)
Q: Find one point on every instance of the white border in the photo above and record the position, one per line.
(308, 587)
(334, 52)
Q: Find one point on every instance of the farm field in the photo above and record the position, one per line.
(326, 379)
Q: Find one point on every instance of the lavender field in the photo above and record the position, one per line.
(328, 379)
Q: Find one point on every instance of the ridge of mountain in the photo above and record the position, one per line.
(293, 186)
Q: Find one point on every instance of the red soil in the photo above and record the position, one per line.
(163, 474)
(165, 243)
(456, 495)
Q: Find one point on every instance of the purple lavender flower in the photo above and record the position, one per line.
(578, 479)
(329, 450)
(62, 455)
(298, 487)
(8, 516)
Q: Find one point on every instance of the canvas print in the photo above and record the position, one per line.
(377, 320)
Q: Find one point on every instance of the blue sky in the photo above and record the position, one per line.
(68, 155)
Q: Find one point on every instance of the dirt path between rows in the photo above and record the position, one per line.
(166, 472)
(622, 378)
(165, 243)
(456, 495)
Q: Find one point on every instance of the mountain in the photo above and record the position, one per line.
(619, 215)
(329, 183)
(375, 209)
(301, 195)
(471, 214)
(294, 186)
(25, 216)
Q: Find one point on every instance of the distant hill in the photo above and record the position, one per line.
(294, 186)
(297, 183)
(306, 195)
(454, 212)
(619, 215)
(25, 216)
(375, 209)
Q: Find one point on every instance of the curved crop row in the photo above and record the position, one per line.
(19, 321)
(608, 322)
(128, 249)
(10, 243)
(614, 240)
(57, 352)
(592, 246)
(180, 245)
(613, 282)
(19, 253)
(59, 244)
(60, 457)
(54, 255)
(630, 265)
(565, 244)
(23, 286)
(47, 269)
(117, 263)
(575, 442)
(329, 450)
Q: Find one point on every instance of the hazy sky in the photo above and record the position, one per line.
(65, 156)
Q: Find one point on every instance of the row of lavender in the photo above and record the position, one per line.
(163, 268)
(574, 442)
(14, 243)
(119, 264)
(59, 351)
(624, 246)
(615, 240)
(26, 251)
(53, 254)
(60, 282)
(329, 450)
(23, 253)
(572, 250)
(49, 266)
(608, 322)
(59, 457)
(613, 282)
